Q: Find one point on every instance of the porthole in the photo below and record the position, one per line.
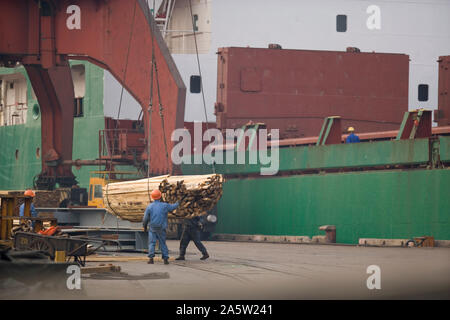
(36, 112)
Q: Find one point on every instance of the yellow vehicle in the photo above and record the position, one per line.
(99, 179)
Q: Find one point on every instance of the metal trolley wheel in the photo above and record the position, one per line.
(44, 246)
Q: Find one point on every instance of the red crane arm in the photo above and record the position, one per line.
(116, 35)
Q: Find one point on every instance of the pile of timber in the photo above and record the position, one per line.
(43, 198)
(197, 195)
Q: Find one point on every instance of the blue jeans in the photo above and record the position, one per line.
(160, 235)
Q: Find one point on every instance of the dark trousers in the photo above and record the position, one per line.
(191, 233)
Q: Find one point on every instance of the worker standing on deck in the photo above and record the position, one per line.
(352, 137)
(156, 216)
(191, 231)
(29, 193)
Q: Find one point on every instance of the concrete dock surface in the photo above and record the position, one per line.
(244, 270)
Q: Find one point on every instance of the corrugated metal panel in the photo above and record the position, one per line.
(444, 149)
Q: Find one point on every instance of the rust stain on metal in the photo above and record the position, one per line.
(294, 90)
(116, 35)
(442, 114)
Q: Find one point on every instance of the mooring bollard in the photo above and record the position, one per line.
(330, 233)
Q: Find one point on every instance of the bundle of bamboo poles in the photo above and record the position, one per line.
(196, 194)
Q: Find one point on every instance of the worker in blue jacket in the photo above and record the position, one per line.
(352, 137)
(34, 214)
(156, 216)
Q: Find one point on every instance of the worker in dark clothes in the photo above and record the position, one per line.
(34, 214)
(352, 137)
(191, 231)
(156, 216)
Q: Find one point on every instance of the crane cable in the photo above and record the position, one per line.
(118, 115)
(161, 110)
(161, 114)
(150, 106)
(201, 78)
(153, 75)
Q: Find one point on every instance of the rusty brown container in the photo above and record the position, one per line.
(294, 90)
(442, 114)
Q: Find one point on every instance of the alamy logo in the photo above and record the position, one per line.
(74, 280)
(222, 150)
(374, 281)
(374, 20)
(74, 20)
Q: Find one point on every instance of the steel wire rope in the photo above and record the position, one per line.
(200, 74)
(150, 107)
(118, 115)
(154, 74)
(161, 114)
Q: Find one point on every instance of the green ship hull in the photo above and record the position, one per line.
(396, 190)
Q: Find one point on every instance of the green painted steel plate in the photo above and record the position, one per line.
(360, 155)
(444, 148)
(372, 204)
